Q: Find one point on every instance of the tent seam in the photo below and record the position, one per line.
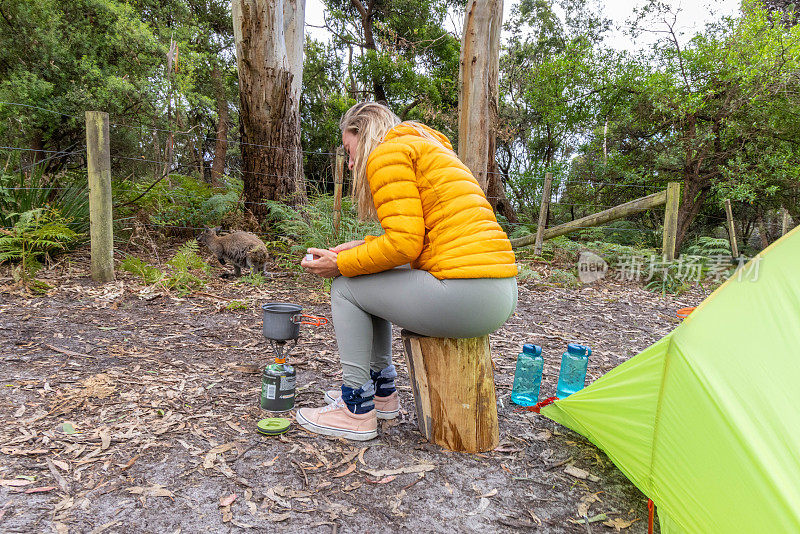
(657, 416)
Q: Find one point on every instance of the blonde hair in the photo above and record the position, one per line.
(369, 121)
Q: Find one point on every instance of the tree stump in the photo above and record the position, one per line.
(453, 388)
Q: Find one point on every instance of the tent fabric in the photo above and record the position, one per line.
(705, 422)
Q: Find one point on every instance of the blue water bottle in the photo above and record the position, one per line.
(528, 376)
(572, 376)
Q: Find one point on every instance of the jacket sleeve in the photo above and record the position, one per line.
(392, 180)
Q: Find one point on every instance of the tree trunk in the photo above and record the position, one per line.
(478, 99)
(366, 12)
(221, 142)
(270, 114)
(694, 194)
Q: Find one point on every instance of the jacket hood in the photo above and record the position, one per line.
(416, 128)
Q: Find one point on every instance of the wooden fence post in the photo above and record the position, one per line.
(671, 221)
(101, 223)
(731, 229)
(543, 208)
(337, 190)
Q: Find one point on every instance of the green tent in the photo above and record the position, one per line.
(706, 422)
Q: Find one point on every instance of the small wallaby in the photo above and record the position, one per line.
(241, 249)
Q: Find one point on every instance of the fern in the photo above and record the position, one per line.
(148, 273)
(36, 234)
(709, 247)
(311, 225)
(186, 258)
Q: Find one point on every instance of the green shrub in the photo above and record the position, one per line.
(179, 277)
(255, 279)
(526, 273)
(186, 258)
(178, 200)
(183, 282)
(311, 224)
(236, 305)
(562, 278)
(668, 279)
(709, 247)
(615, 254)
(66, 195)
(35, 235)
(149, 274)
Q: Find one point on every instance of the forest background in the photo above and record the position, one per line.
(718, 111)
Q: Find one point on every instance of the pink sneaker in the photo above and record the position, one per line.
(385, 407)
(337, 420)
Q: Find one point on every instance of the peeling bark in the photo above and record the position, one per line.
(269, 115)
(478, 99)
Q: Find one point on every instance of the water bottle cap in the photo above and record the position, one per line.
(578, 350)
(530, 348)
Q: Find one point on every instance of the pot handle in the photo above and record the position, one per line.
(317, 321)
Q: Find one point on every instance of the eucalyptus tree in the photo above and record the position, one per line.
(719, 114)
(554, 75)
(67, 57)
(403, 53)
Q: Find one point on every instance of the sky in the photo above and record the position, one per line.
(692, 18)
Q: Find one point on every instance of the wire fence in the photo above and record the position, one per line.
(165, 161)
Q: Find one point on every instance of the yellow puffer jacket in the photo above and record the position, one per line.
(434, 213)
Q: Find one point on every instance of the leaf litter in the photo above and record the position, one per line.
(163, 407)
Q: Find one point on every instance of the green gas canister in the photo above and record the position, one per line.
(277, 387)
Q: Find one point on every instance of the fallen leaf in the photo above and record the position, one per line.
(211, 455)
(418, 468)
(68, 428)
(103, 527)
(346, 459)
(384, 480)
(535, 517)
(543, 435)
(346, 472)
(618, 523)
(64, 466)
(22, 452)
(15, 482)
(156, 490)
(491, 493)
(586, 503)
(577, 472)
(105, 438)
(396, 503)
(277, 518)
(227, 501)
(272, 495)
(129, 464)
(238, 429)
(361, 456)
(593, 519)
(42, 489)
(269, 463)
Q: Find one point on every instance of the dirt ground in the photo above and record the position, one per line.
(128, 409)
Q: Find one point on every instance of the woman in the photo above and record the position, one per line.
(462, 276)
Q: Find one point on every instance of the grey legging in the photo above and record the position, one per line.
(364, 308)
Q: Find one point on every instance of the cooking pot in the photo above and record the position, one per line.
(282, 320)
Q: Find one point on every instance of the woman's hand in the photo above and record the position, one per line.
(348, 245)
(324, 265)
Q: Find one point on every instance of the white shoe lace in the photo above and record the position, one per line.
(335, 405)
